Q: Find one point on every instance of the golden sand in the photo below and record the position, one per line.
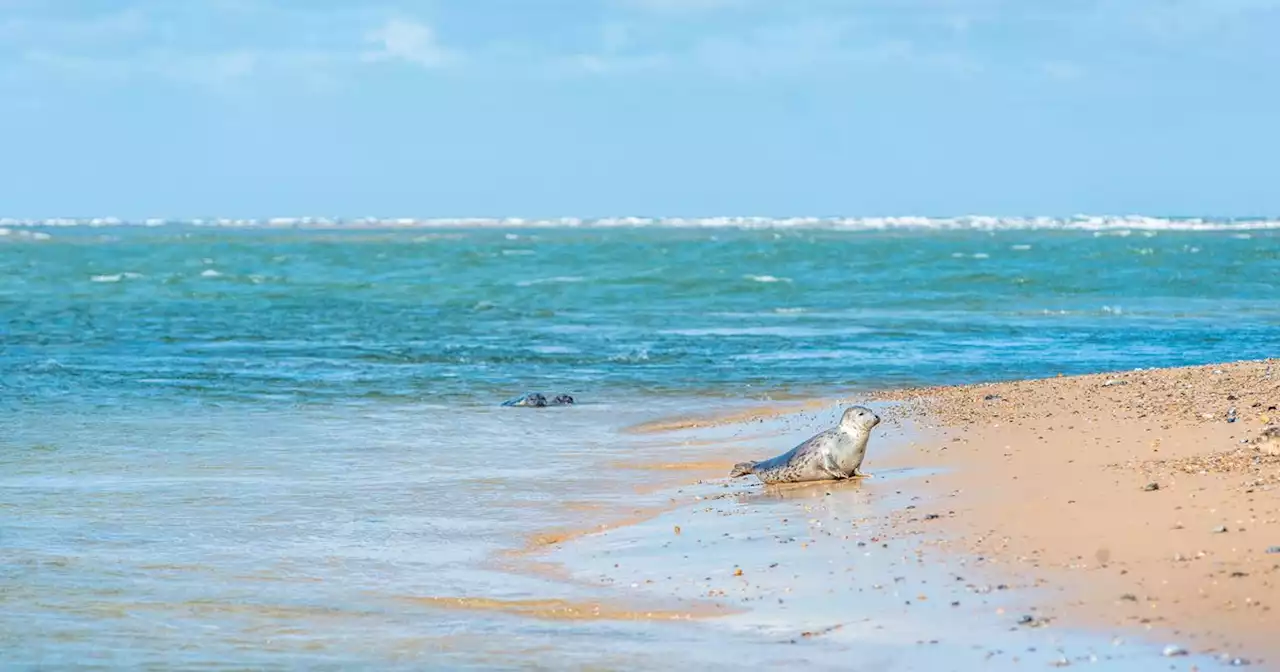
(1145, 496)
(567, 610)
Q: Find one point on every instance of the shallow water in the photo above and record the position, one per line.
(255, 448)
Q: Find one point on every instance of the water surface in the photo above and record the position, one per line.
(254, 447)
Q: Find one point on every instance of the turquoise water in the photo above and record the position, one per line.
(185, 316)
(254, 447)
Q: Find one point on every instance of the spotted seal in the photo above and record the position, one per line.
(834, 454)
(539, 400)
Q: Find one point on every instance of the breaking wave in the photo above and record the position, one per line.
(907, 223)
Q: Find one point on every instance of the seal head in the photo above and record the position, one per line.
(859, 419)
(539, 400)
(835, 454)
(535, 399)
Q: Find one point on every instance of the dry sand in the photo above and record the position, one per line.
(1148, 499)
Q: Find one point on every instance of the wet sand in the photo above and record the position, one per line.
(1004, 524)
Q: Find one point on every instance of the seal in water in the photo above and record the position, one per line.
(539, 400)
(835, 454)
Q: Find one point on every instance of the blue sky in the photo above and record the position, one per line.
(176, 108)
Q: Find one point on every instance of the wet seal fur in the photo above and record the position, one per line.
(538, 400)
(835, 454)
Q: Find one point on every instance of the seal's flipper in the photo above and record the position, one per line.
(742, 469)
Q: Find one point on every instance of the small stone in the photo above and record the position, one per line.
(1027, 619)
(1129, 597)
(1151, 487)
(1113, 382)
(1273, 549)
(992, 397)
(1221, 529)
(1173, 650)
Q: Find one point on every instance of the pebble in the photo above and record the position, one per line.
(1113, 383)
(1220, 529)
(1173, 650)
(1273, 549)
(1152, 486)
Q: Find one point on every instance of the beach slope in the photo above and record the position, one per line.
(1147, 500)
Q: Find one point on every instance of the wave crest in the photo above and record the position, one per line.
(904, 223)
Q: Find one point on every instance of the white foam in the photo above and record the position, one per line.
(557, 279)
(766, 278)
(1119, 224)
(209, 273)
(22, 234)
(115, 277)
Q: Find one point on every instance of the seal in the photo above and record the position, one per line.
(539, 400)
(834, 454)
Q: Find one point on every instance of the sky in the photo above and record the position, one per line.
(592, 108)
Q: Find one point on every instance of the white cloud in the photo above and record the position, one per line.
(409, 41)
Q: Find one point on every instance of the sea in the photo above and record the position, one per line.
(235, 444)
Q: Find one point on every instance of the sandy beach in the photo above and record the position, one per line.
(1147, 500)
(1121, 518)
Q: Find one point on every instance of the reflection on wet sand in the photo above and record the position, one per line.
(617, 517)
(541, 540)
(716, 466)
(517, 560)
(568, 610)
(846, 489)
(720, 419)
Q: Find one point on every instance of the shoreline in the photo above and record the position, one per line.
(1019, 482)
